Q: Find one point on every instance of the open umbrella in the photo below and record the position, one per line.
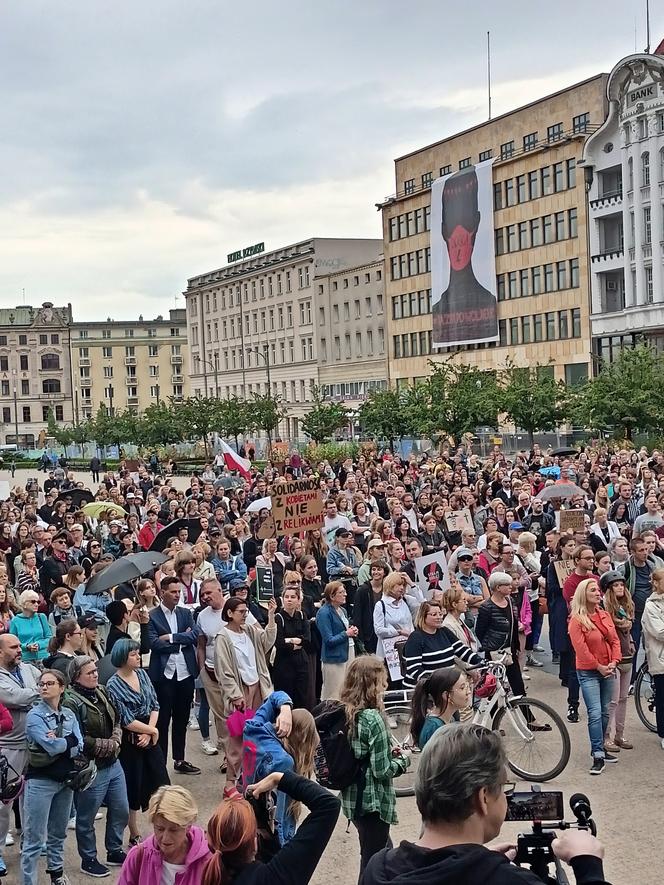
(98, 507)
(78, 497)
(561, 453)
(259, 504)
(125, 569)
(162, 538)
(229, 482)
(560, 490)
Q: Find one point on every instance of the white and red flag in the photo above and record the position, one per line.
(235, 462)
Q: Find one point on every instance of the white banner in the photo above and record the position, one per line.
(432, 573)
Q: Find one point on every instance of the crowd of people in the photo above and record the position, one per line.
(99, 685)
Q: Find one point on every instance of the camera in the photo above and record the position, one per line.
(546, 811)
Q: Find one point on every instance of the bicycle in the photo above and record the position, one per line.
(398, 708)
(644, 697)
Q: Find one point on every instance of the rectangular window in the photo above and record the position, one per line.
(523, 235)
(550, 327)
(510, 198)
(530, 141)
(555, 132)
(465, 163)
(358, 344)
(548, 278)
(558, 177)
(561, 227)
(525, 283)
(506, 150)
(525, 330)
(536, 232)
(537, 280)
(25, 387)
(409, 186)
(545, 174)
(26, 414)
(502, 333)
(367, 307)
(576, 322)
(537, 322)
(445, 170)
(650, 296)
(574, 273)
(547, 224)
(521, 192)
(576, 373)
(500, 241)
(397, 346)
(108, 371)
(647, 225)
(580, 122)
(485, 155)
(500, 286)
(512, 242)
(4, 363)
(561, 275)
(571, 173)
(498, 195)
(563, 325)
(427, 178)
(7, 412)
(511, 285)
(534, 184)
(23, 362)
(514, 331)
(107, 352)
(572, 221)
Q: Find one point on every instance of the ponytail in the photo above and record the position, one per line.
(231, 833)
(435, 689)
(419, 706)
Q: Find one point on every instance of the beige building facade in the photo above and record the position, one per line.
(129, 364)
(35, 371)
(259, 323)
(540, 223)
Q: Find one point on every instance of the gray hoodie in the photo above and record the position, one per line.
(18, 699)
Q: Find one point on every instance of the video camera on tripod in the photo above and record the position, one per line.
(546, 810)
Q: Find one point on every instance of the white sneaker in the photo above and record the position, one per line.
(193, 724)
(9, 840)
(525, 676)
(209, 748)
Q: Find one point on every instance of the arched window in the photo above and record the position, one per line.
(645, 169)
(630, 174)
(50, 361)
(51, 385)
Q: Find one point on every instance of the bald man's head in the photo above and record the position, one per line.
(10, 651)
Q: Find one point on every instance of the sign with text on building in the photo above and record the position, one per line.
(644, 93)
(247, 252)
(297, 506)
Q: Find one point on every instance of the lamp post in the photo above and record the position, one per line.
(156, 387)
(110, 401)
(215, 368)
(265, 356)
(16, 417)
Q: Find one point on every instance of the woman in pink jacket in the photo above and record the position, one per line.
(522, 604)
(177, 852)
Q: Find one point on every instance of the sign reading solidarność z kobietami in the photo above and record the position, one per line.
(297, 506)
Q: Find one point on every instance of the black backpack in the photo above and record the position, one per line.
(334, 761)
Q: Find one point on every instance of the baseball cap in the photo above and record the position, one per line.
(375, 542)
(464, 553)
(516, 527)
(90, 621)
(342, 533)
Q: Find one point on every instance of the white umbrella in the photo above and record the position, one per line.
(259, 504)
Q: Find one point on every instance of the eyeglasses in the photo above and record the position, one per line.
(49, 684)
(509, 788)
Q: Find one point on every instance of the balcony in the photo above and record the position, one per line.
(131, 381)
(130, 361)
(84, 361)
(646, 250)
(177, 379)
(610, 259)
(86, 400)
(608, 198)
(44, 371)
(176, 360)
(132, 400)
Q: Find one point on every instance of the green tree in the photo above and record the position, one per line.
(462, 398)
(627, 394)
(532, 398)
(199, 416)
(381, 415)
(160, 425)
(60, 433)
(235, 418)
(324, 418)
(265, 412)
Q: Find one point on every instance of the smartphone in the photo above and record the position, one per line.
(535, 806)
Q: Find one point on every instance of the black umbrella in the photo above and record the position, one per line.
(123, 570)
(162, 538)
(78, 497)
(229, 482)
(561, 453)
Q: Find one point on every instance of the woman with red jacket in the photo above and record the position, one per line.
(595, 641)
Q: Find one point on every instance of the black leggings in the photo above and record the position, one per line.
(374, 835)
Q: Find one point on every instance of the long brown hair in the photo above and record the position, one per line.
(612, 604)
(231, 834)
(363, 688)
(301, 745)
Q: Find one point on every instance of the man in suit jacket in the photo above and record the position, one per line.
(173, 668)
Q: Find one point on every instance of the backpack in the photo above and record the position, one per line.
(335, 763)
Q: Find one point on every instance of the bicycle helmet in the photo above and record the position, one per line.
(609, 578)
(83, 774)
(10, 787)
(487, 686)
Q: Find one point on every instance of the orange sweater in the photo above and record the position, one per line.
(597, 646)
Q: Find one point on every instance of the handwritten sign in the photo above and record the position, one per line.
(564, 568)
(392, 659)
(264, 584)
(432, 573)
(267, 529)
(297, 506)
(571, 520)
(458, 520)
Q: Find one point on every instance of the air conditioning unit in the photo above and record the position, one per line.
(612, 285)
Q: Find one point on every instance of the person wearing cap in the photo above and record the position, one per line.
(76, 551)
(375, 553)
(342, 562)
(90, 643)
(472, 584)
(55, 566)
(515, 529)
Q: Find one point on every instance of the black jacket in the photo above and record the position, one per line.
(462, 865)
(496, 627)
(51, 574)
(363, 610)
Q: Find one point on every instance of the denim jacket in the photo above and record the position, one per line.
(333, 633)
(338, 559)
(229, 569)
(41, 726)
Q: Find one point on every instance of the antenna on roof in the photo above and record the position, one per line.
(648, 27)
(488, 67)
(23, 291)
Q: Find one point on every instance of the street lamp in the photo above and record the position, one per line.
(215, 368)
(156, 387)
(264, 355)
(110, 400)
(16, 417)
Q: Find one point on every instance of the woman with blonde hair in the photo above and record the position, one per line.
(395, 554)
(597, 647)
(176, 851)
(203, 567)
(392, 620)
(280, 738)
(271, 558)
(374, 813)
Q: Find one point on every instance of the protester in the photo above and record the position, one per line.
(337, 638)
(618, 603)
(430, 647)
(436, 700)
(653, 634)
(290, 667)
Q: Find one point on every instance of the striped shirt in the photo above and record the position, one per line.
(130, 704)
(425, 652)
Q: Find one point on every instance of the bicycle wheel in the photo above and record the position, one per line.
(404, 784)
(644, 697)
(533, 755)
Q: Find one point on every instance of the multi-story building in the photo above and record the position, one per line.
(35, 371)
(350, 330)
(624, 167)
(129, 364)
(254, 326)
(539, 219)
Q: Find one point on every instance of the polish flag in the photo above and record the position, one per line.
(235, 462)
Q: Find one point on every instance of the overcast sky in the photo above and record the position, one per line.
(141, 141)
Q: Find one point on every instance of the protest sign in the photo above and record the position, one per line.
(570, 520)
(264, 584)
(392, 658)
(297, 506)
(458, 520)
(432, 573)
(564, 568)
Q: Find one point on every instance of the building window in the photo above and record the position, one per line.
(510, 199)
(26, 414)
(561, 275)
(525, 330)
(51, 385)
(23, 362)
(546, 181)
(533, 184)
(500, 241)
(82, 333)
(572, 221)
(563, 326)
(511, 285)
(537, 280)
(547, 224)
(555, 132)
(647, 226)
(571, 173)
(561, 226)
(409, 186)
(576, 322)
(574, 273)
(550, 327)
(558, 177)
(536, 232)
(506, 150)
(521, 193)
(537, 321)
(649, 286)
(523, 235)
(576, 373)
(7, 413)
(548, 278)
(25, 387)
(485, 155)
(500, 286)
(525, 283)
(642, 126)
(427, 178)
(514, 331)
(50, 361)
(502, 333)
(445, 170)
(511, 238)
(465, 163)
(580, 122)
(645, 169)
(23, 340)
(530, 141)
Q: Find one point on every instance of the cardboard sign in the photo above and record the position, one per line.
(432, 573)
(267, 528)
(392, 660)
(458, 520)
(571, 520)
(564, 568)
(297, 506)
(264, 584)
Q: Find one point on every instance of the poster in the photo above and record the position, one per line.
(297, 506)
(264, 584)
(463, 263)
(564, 568)
(432, 573)
(392, 659)
(458, 520)
(570, 520)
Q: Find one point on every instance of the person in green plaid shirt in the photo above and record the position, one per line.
(375, 809)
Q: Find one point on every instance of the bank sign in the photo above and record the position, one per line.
(647, 92)
(247, 252)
